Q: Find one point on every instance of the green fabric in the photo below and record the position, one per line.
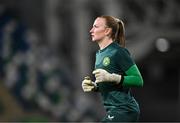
(133, 77)
(115, 59)
(116, 115)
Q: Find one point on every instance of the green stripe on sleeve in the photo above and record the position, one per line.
(133, 77)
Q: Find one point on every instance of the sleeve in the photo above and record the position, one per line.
(132, 76)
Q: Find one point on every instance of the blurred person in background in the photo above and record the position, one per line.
(115, 71)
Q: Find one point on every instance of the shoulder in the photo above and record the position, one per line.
(121, 50)
(123, 53)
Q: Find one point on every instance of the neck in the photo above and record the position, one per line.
(104, 43)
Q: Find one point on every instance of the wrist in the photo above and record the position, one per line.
(116, 78)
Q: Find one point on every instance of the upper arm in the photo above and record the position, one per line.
(132, 76)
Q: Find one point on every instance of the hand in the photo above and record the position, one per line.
(103, 76)
(88, 85)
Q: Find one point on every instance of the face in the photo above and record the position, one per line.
(98, 31)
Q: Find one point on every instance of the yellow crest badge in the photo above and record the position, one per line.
(106, 61)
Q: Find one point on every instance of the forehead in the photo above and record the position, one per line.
(100, 21)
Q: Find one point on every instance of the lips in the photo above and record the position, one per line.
(92, 35)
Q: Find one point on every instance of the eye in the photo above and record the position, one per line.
(95, 26)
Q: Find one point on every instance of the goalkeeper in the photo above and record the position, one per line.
(115, 71)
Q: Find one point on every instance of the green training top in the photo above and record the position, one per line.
(115, 59)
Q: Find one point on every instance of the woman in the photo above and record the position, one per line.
(115, 71)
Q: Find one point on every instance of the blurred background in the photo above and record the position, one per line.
(46, 50)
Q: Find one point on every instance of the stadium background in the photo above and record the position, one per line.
(46, 50)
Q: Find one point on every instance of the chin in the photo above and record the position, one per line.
(93, 40)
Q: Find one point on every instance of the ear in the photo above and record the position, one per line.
(108, 31)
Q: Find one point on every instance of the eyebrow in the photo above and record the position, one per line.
(95, 25)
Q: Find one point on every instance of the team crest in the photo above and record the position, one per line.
(106, 61)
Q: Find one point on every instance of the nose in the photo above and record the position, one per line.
(91, 30)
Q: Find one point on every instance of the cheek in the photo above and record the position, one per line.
(99, 33)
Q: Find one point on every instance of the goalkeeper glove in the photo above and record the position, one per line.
(103, 76)
(88, 85)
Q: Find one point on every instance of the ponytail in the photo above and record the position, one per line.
(120, 33)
